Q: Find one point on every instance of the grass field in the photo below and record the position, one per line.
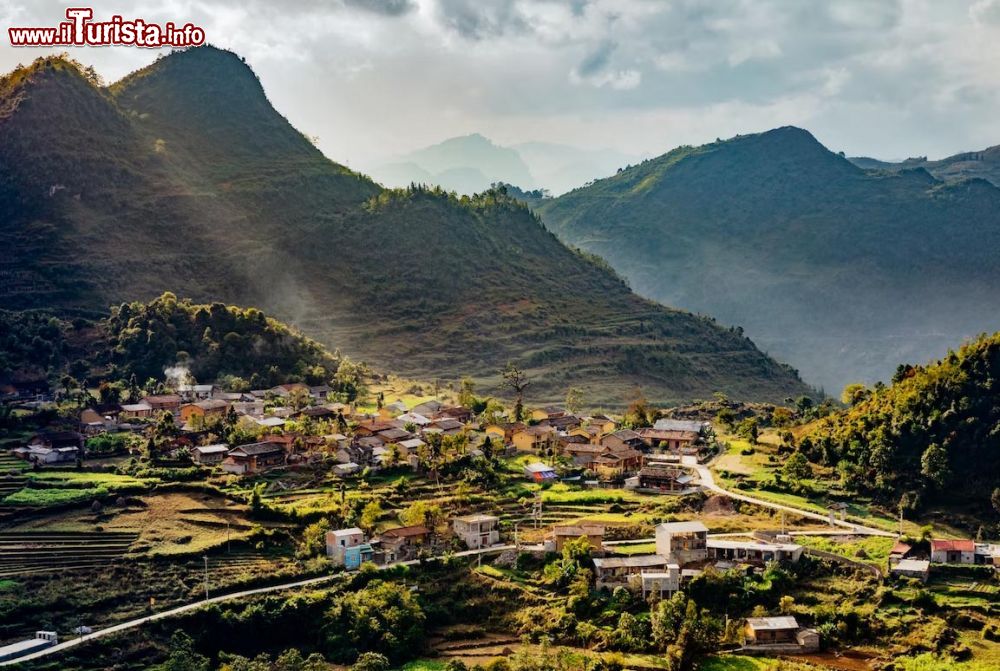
(54, 496)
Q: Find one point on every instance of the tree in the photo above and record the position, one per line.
(749, 429)
(854, 393)
(934, 465)
(797, 467)
(384, 617)
(183, 656)
(995, 500)
(467, 393)
(517, 381)
(421, 513)
(574, 400)
(371, 661)
(314, 539)
(370, 515)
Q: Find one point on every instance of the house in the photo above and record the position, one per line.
(254, 458)
(615, 464)
(562, 422)
(899, 551)
(477, 531)
(539, 472)
(92, 422)
(428, 408)
(457, 412)
(594, 533)
(533, 438)
(316, 412)
(672, 441)
(394, 435)
(413, 418)
(988, 554)
(696, 426)
(286, 390)
(504, 432)
(778, 634)
(953, 552)
(404, 543)
(612, 572)
(53, 447)
(347, 469)
(196, 392)
(602, 423)
(622, 440)
(373, 427)
(141, 409)
(663, 477)
(205, 409)
(320, 392)
(549, 412)
(348, 548)
(163, 403)
(919, 569)
(752, 552)
(682, 542)
(663, 584)
(447, 425)
(410, 446)
(209, 454)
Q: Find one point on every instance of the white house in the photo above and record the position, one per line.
(682, 542)
(477, 531)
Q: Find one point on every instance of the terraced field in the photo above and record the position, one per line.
(27, 553)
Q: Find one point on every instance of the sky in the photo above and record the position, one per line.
(372, 79)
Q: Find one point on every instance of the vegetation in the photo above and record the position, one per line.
(823, 263)
(930, 436)
(206, 191)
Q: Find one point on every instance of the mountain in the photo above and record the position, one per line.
(933, 433)
(560, 168)
(183, 178)
(467, 165)
(983, 164)
(841, 271)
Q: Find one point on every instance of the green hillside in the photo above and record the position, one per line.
(933, 433)
(192, 183)
(983, 164)
(138, 341)
(842, 272)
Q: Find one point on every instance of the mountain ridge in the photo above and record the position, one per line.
(414, 281)
(811, 254)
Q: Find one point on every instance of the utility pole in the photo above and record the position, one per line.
(227, 537)
(206, 576)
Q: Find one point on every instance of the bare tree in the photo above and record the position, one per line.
(517, 381)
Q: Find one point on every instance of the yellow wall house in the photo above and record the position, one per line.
(206, 409)
(533, 438)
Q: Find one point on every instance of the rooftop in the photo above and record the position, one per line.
(683, 527)
(635, 561)
(772, 623)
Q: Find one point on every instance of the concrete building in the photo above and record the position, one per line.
(682, 542)
(753, 552)
(612, 572)
(339, 542)
(953, 551)
(477, 531)
(778, 635)
(920, 569)
(662, 583)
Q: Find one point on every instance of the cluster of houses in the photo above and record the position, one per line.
(905, 560)
(350, 548)
(646, 459)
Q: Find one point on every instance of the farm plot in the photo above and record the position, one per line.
(32, 552)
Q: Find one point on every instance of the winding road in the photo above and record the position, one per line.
(138, 622)
(704, 474)
(708, 482)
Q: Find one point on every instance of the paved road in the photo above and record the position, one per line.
(708, 482)
(132, 624)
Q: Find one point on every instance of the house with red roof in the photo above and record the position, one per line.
(953, 551)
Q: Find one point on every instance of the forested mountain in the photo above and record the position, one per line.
(183, 178)
(841, 271)
(984, 164)
(935, 431)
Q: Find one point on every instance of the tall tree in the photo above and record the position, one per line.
(517, 381)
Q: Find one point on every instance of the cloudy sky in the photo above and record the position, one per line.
(375, 78)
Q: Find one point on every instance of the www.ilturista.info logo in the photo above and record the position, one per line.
(81, 31)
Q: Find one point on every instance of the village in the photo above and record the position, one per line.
(297, 428)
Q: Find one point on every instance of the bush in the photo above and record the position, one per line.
(371, 661)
